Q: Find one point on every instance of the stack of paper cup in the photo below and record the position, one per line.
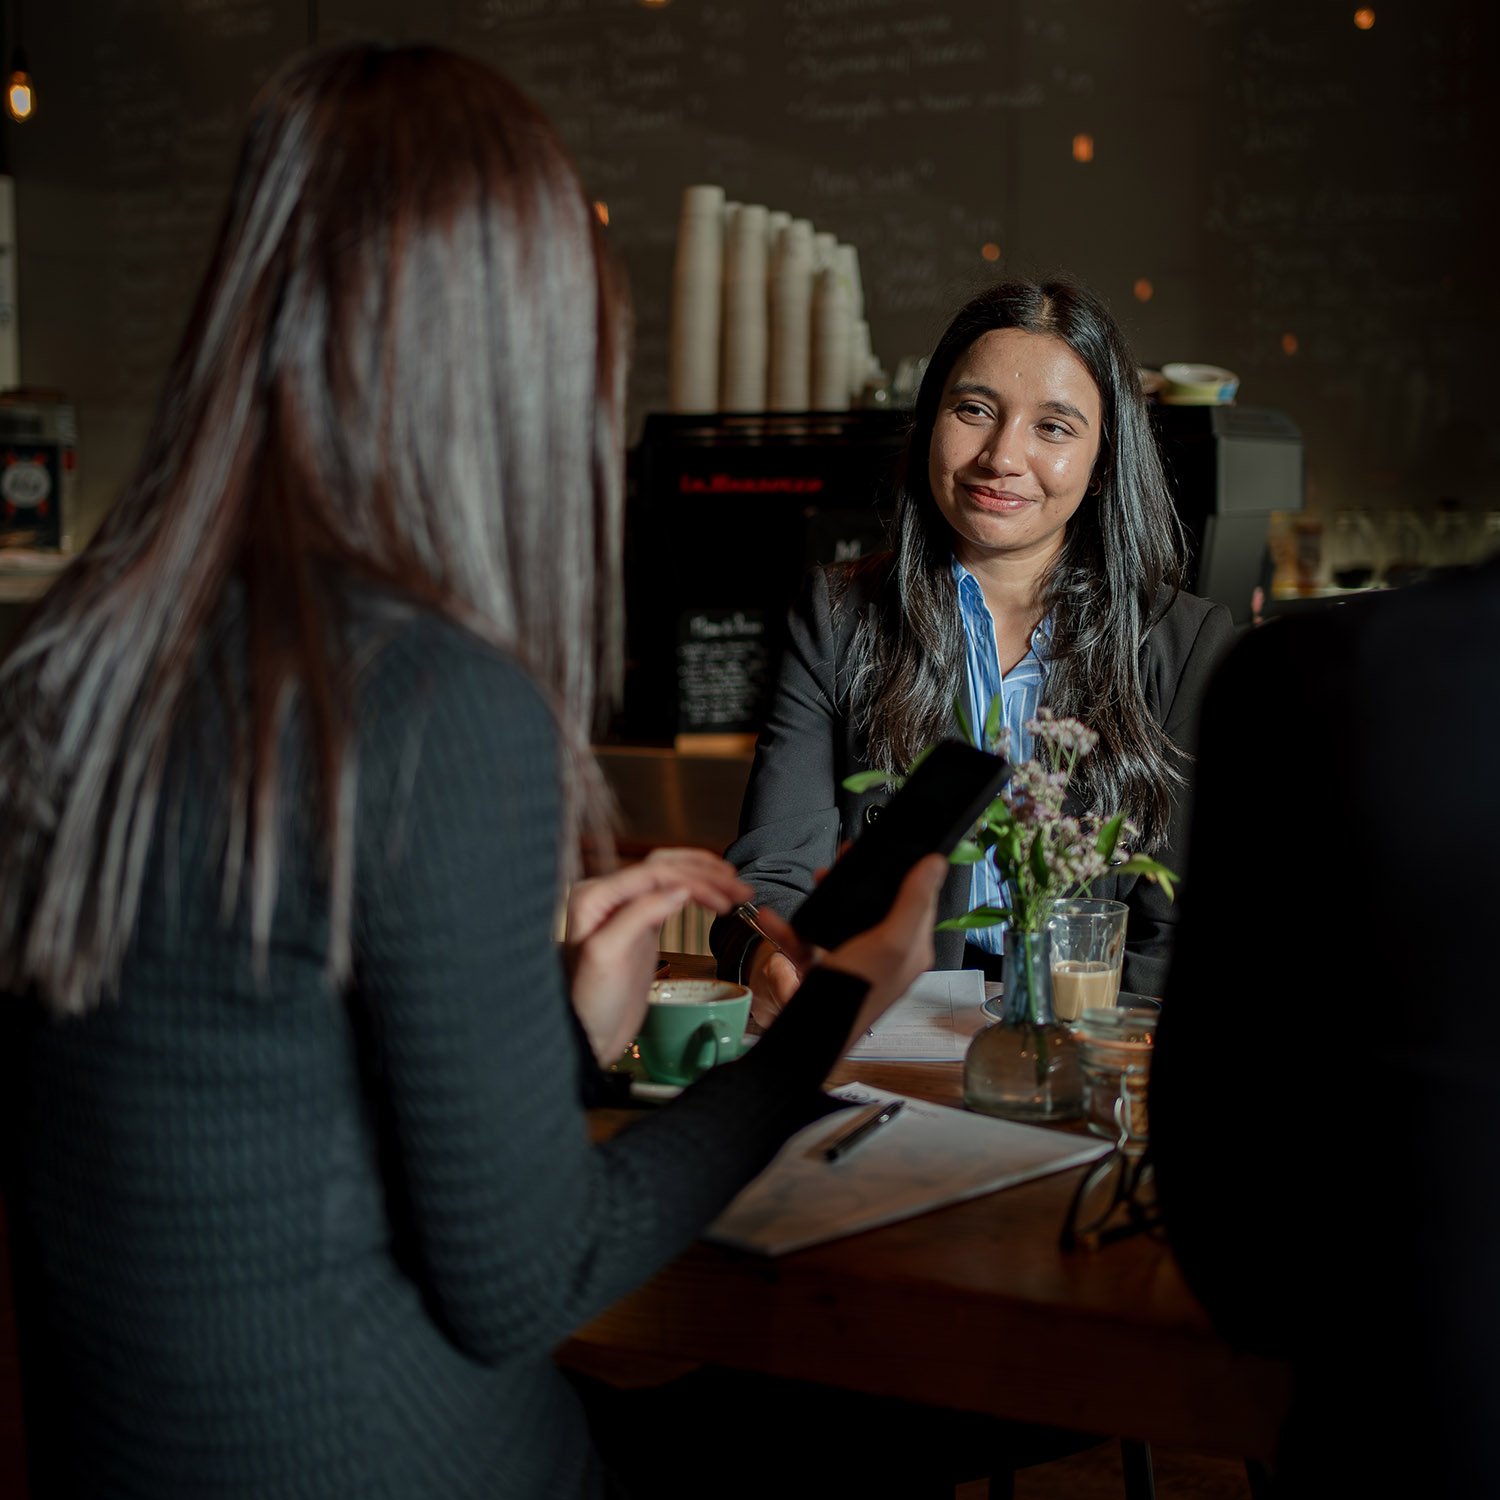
(767, 314)
(743, 384)
(846, 263)
(846, 259)
(831, 335)
(696, 301)
(861, 359)
(791, 319)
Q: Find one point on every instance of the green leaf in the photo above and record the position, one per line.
(962, 717)
(1138, 864)
(1008, 850)
(921, 756)
(992, 722)
(867, 781)
(1038, 861)
(981, 916)
(1109, 835)
(997, 814)
(966, 853)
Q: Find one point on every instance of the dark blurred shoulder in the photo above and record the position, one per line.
(1441, 632)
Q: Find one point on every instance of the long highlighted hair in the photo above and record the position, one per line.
(404, 372)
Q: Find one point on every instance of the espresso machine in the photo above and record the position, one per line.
(725, 515)
(1229, 468)
(727, 512)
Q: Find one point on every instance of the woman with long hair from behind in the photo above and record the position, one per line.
(293, 775)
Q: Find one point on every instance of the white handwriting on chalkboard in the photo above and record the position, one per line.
(232, 20)
(499, 12)
(816, 9)
(739, 625)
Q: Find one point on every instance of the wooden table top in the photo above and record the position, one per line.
(973, 1306)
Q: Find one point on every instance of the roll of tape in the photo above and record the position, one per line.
(1199, 385)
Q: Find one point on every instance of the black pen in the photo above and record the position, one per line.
(842, 1145)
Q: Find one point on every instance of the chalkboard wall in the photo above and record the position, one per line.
(1308, 201)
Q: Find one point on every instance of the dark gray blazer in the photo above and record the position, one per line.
(796, 810)
(273, 1240)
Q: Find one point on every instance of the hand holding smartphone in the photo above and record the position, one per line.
(941, 800)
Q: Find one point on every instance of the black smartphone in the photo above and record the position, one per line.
(939, 803)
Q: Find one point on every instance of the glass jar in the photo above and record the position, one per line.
(1025, 1066)
(1115, 1047)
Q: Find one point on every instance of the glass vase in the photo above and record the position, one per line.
(1025, 1066)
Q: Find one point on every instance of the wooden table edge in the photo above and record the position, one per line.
(1123, 1370)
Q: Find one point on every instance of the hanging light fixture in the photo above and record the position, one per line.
(20, 96)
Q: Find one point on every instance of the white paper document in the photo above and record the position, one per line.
(934, 1021)
(927, 1156)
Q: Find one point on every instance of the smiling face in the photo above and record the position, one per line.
(1013, 447)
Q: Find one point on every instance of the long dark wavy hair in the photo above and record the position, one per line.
(404, 372)
(1119, 568)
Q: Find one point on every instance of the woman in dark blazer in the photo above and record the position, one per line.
(1036, 547)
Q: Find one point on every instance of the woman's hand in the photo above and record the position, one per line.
(773, 976)
(888, 955)
(613, 922)
(895, 951)
(775, 970)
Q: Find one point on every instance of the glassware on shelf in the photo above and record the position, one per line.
(907, 380)
(1452, 535)
(1283, 548)
(1353, 549)
(1489, 536)
(1308, 531)
(1408, 547)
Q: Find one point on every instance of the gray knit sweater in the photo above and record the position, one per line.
(275, 1241)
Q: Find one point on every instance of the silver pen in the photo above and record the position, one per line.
(842, 1145)
(750, 915)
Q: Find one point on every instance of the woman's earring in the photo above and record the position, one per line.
(1097, 487)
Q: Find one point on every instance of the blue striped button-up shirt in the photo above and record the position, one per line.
(1020, 692)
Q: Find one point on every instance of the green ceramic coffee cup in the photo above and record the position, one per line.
(691, 1026)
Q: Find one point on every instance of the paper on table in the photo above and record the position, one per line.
(926, 1157)
(933, 1021)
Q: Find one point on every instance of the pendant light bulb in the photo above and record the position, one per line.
(20, 96)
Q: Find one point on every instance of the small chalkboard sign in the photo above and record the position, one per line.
(835, 536)
(722, 661)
